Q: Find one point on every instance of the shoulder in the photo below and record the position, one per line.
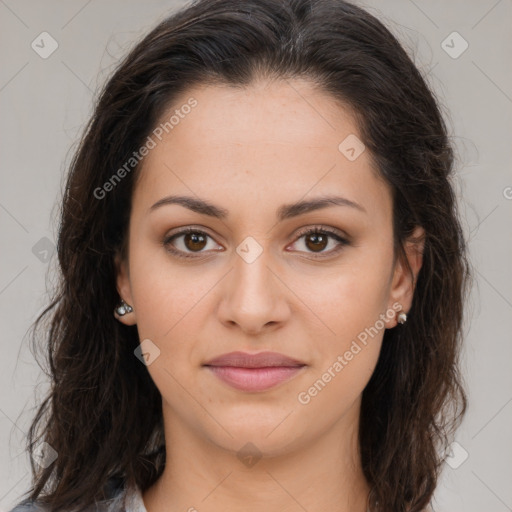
(28, 506)
(115, 492)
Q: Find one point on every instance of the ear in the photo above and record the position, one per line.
(124, 289)
(403, 283)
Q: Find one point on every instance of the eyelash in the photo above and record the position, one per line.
(314, 230)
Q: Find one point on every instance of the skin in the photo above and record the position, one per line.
(250, 151)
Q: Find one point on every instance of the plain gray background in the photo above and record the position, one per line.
(45, 103)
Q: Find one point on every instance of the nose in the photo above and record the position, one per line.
(254, 297)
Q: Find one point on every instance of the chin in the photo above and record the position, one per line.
(271, 435)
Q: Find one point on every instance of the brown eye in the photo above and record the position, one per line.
(189, 243)
(194, 241)
(316, 241)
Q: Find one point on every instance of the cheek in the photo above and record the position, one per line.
(165, 294)
(351, 304)
(350, 298)
(167, 300)
(347, 345)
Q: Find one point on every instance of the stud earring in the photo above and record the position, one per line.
(402, 317)
(123, 308)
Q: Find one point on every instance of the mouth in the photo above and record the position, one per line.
(254, 372)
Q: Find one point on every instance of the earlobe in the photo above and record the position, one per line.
(124, 310)
(404, 278)
(125, 313)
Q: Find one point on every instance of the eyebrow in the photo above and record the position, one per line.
(284, 212)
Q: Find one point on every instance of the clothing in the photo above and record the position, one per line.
(119, 499)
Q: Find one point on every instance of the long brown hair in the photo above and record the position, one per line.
(103, 413)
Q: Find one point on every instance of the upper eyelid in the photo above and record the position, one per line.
(185, 230)
(318, 227)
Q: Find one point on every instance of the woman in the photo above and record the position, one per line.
(263, 275)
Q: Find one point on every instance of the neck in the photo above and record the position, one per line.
(309, 474)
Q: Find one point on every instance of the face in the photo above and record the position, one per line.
(248, 277)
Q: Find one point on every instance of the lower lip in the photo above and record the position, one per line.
(254, 379)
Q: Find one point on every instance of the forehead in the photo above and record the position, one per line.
(265, 114)
(272, 141)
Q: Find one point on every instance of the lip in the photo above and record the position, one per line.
(254, 372)
(257, 360)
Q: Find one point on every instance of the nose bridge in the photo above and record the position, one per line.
(254, 296)
(252, 277)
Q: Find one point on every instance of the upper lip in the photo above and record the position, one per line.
(259, 360)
